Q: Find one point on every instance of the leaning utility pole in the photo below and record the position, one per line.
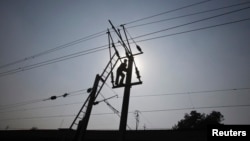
(83, 124)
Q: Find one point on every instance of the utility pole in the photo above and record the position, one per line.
(137, 119)
(83, 124)
(128, 83)
(85, 111)
(126, 96)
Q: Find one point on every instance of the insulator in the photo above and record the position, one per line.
(138, 48)
(117, 53)
(53, 97)
(137, 73)
(66, 94)
(89, 90)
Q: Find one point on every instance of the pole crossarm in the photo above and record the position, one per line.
(132, 84)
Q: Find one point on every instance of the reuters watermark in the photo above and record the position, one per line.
(219, 132)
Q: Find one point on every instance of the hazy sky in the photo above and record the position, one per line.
(178, 65)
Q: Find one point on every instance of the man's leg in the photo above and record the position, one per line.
(117, 78)
(122, 78)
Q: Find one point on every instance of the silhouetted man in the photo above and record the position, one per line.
(119, 73)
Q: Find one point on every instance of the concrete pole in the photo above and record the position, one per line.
(81, 131)
(125, 104)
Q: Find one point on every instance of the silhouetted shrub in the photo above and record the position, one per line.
(196, 120)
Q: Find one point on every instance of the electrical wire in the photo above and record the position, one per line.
(55, 60)
(132, 96)
(192, 92)
(93, 36)
(204, 19)
(143, 111)
(166, 12)
(193, 30)
(114, 92)
(187, 15)
(226, 106)
(20, 104)
(110, 106)
(192, 108)
(41, 107)
(37, 117)
(97, 49)
(178, 109)
(73, 93)
(104, 48)
(146, 119)
(34, 101)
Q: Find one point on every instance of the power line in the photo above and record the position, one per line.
(38, 100)
(143, 111)
(37, 117)
(112, 107)
(178, 109)
(20, 104)
(41, 107)
(192, 14)
(204, 19)
(134, 96)
(29, 102)
(193, 92)
(107, 85)
(187, 31)
(55, 49)
(55, 60)
(146, 119)
(98, 34)
(169, 11)
(101, 47)
(195, 108)
(92, 36)
(155, 110)
(104, 47)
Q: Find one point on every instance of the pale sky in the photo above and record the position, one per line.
(205, 69)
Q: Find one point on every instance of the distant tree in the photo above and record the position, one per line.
(7, 127)
(34, 128)
(196, 120)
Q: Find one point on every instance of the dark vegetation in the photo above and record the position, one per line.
(196, 120)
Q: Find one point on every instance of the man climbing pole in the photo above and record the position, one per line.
(119, 73)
